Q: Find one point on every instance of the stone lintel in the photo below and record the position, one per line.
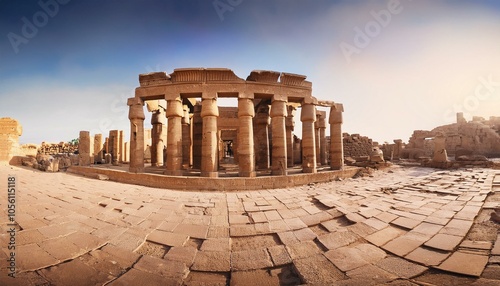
(248, 95)
(310, 100)
(154, 78)
(264, 76)
(292, 79)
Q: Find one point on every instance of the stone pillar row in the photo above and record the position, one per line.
(251, 155)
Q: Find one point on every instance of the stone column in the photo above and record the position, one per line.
(440, 154)
(336, 139)
(84, 149)
(246, 156)
(114, 140)
(186, 138)
(308, 117)
(197, 122)
(262, 137)
(174, 114)
(98, 148)
(126, 151)
(279, 154)
(158, 122)
(322, 138)
(209, 114)
(398, 148)
(317, 138)
(290, 125)
(120, 146)
(136, 116)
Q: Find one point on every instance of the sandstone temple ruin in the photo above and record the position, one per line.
(190, 131)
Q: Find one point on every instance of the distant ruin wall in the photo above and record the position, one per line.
(10, 130)
(477, 137)
(356, 145)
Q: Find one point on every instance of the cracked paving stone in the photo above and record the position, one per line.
(349, 258)
(162, 267)
(372, 272)
(405, 243)
(212, 261)
(141, 278)
(465, 263)
(279, 255)
(75, 272)
(39, 257)
(338, 239)
(444, 242)
(428, 257)
(167, 238)
(316, 269)
(250, 259)
(401, 267)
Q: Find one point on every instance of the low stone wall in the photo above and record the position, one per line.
(214, 184)
(356, 145)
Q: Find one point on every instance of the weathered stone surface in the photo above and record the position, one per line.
(337, 239)
(401, 267)
(167, 238)
(250, 259)
(427, 257)
(465, 263)
(444, 241)
(348, 258)
(212, 261)
(162, 267)
(316, 270)
(75, 272)
(142, 278)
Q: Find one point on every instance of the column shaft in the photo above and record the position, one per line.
(197, 136)
(186, 139)
(84, 148)
(158, 123)
(308, 117)
(336, 140)
(262, 138)
(290, 124)
(136, 116)
(279, 154)
(209, 148)
(246, 158)
(174, 114)
(322, 146)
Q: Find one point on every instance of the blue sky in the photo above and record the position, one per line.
(419, 63)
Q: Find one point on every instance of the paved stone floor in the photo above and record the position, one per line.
(402, 226)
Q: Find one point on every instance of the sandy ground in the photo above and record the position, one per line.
(400, 226)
